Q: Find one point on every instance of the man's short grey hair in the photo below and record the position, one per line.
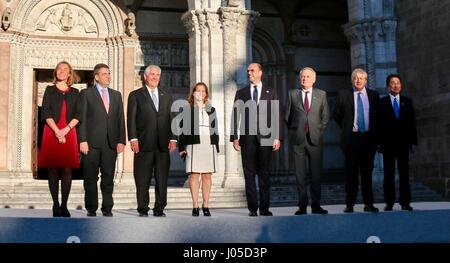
(307, 68)
(149, 67)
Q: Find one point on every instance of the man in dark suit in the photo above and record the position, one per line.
(149, 119)
(101, 134)
(256, 129)
(356, 114)
(398, 136)
(307, 115)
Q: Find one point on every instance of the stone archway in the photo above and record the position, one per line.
(83, 33)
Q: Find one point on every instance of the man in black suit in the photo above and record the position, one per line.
(256, 129)
(307, 116)
(398, 136)
(101, 134)
(356, 114)
(149, 119)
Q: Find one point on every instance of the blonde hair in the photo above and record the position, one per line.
(73, 77)
(361, 71)
(191, 93)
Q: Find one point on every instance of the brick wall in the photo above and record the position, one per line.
(423, 46)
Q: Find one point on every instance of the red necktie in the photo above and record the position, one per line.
(105, 99)
(307, 110)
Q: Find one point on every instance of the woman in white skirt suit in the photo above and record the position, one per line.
(199, 144)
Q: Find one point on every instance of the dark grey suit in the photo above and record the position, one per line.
(307, 144)
(102, 131)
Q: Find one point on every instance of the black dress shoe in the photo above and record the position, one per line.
(143, 214)
(56, 211)
(195, 211)
(206, 211)
(265, 213)
(107, 213)
(319, 210)
(300, 211)
(348, 209)
(370, 208)
(159, 213)
(388, 207)
(407, 207)
(91, 213)
(252, 213)
(64, 211)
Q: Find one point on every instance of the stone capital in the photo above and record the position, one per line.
(190, 22)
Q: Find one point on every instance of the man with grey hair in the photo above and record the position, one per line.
(149, 120)
(356, 114)
(307, 115)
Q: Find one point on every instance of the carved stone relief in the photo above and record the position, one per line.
(65, 19)
(6, 18)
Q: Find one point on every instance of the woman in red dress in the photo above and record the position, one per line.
(59, 150)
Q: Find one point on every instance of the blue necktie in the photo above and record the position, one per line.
(255, 94)
(396, 109)
(155, 100)
(360, 121)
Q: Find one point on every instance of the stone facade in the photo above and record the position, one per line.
(423, 62)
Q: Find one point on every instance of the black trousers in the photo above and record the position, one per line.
(401, 154)
(103, 159)
(145, 165)
(359, 157)
(304, 154)
(256, 161)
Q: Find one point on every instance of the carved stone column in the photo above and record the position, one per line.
(237, 30)
(219, 51)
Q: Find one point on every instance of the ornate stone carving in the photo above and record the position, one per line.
(6, 18)
(130, 25)
(213, 23)
(60, 20)
(233, 3)
(190, 22)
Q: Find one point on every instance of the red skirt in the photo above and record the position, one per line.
(54, 154)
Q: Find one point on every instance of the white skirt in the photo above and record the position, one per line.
(201, 158)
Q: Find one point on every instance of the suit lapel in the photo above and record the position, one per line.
(352, 102)
(161, 99)
(264, 93)
(100, 100)
(247, 94)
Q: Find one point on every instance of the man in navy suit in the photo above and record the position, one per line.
(101, 134)
(256, 132)
(356, 114)
(398, 137)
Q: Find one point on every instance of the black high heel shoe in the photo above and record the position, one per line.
(206, 211)
(195, 211)
(64, 211)
(56, 211)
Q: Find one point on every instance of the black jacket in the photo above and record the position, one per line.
(96, 126)
(152, 128)
(344, 115)
(193, 137)
(242, 117)
(52, 103)
(397, 133)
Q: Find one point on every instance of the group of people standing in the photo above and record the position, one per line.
(91, 122)
(368, 124)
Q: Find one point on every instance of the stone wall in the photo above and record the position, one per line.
(423, 61)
